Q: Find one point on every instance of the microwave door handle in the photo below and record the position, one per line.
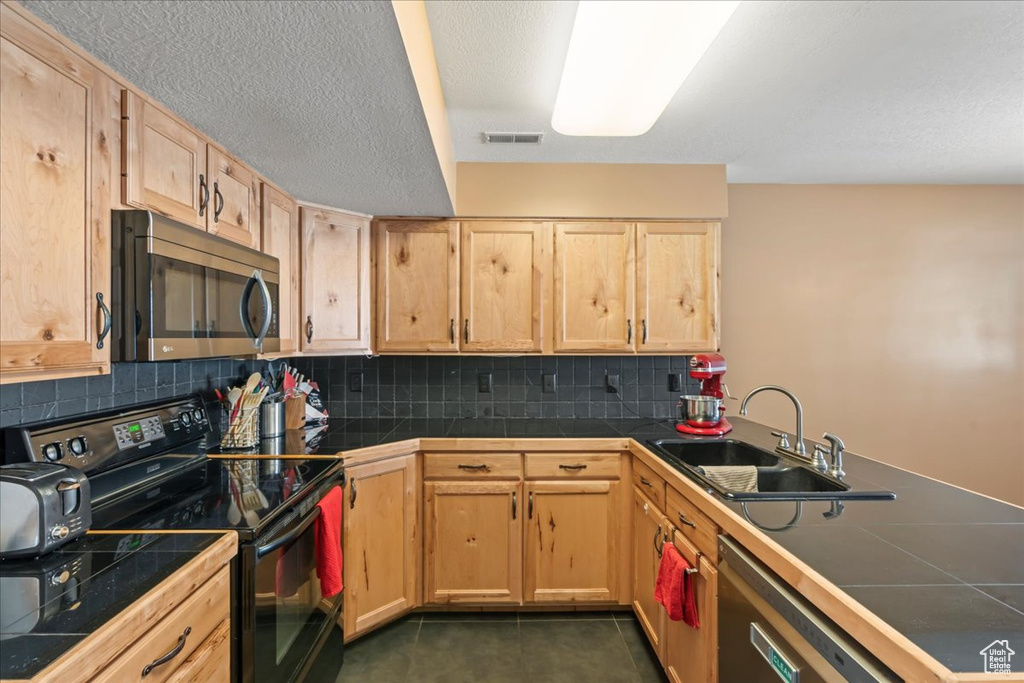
(268, 308)
(243, 307)
(287, 538)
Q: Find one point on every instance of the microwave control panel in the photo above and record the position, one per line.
(128, 434)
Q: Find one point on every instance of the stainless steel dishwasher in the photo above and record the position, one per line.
(768, 632)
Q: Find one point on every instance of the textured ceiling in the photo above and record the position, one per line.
(790, 92)
(317, 96)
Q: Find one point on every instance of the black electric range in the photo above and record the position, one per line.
(150, 470)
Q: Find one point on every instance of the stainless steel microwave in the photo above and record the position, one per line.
(179, 292)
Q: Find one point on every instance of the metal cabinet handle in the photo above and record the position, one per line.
(204, 194)
(629, 331)
(645, 482)
(170, 655)
(465, 331)
(451, 330)
(574, 468)
(106, 320)
(352, 493)
(643, 324)
(474, 467)
(218, 202)
(529, 505)
(513, 505)
(684, 520)
(657, 537)
(309, 329)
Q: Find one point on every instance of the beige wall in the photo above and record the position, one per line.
(895, 313)
(525, 190)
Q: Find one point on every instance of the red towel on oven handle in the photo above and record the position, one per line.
(328, 543)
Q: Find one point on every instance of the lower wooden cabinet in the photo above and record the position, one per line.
(473, 542)
(691, 654)
(647, 529)
(572, 541)
(381, 542)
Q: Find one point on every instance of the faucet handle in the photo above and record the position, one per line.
(783, 439)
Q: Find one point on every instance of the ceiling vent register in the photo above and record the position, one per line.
(513, 138)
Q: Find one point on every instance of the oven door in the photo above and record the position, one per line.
(202, 305)
(289, 618)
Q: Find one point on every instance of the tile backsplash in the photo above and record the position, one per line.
(448, 386)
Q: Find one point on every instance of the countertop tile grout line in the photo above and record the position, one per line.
(904, 550)
(992, 597)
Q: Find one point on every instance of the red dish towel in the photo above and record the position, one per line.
(674, 587)
(328, 543)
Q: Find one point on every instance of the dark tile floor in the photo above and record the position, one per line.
(499, 647)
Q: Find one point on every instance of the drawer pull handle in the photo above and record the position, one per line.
(685, 521)
(352, 493)
(480, 467)
(645, 482)
(574, 468)
(513, 505)
(170, 655)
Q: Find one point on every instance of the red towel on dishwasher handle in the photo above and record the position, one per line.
(328, 543)
(674, 587)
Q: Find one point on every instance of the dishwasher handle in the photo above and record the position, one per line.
(773, 654)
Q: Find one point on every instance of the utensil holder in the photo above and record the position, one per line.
(243, 432)
(295, 412)
(272, 419)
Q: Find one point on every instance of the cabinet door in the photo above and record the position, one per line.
(235, 199)
(381, 542)
(473, 542)
(647, 525)
(335, 281)
(677, 279)
(594, 287)
(164, 163)
(281, 239)
(691, 654)
(417, 286)
(572, 541)
(56, 130)
(504, 271)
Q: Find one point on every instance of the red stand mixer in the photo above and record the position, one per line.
(702, 414)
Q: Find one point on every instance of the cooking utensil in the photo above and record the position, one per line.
(701, 411)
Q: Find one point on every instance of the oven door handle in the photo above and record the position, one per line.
(288, 537)
(268, 308)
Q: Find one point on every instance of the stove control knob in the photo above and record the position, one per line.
(59, 531)
(78, 446)
(186, 418)
(197, 415)
(52, 451)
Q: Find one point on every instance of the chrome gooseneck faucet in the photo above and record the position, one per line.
(798, 447)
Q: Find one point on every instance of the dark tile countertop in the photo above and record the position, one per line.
(941, 565)
(45, 612)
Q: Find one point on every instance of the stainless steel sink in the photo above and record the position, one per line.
(779, 477)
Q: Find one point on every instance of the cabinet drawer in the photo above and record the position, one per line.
(693, 524)
(210, 662)
(650, 483)
(472, 465)
(572, 465)
(202, 613)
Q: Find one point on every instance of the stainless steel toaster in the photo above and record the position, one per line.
(42, 507)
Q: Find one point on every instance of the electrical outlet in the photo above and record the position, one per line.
(675, 381)
(611, 383)
(484, 383)
(549, 382)
(355, 381)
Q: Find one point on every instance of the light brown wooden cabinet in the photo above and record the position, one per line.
(691, 654)
(677, 283)
(595, 287)
(280, 238)
(58, 126)
(335, 313)
(236, 199)
(505, 271)
(417, 285)
(473, 542)
(382, 542)
(648, 523)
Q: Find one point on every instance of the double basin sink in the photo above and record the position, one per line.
(779, 477)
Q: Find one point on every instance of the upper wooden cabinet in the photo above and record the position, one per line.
(58, 126)
(235, 206)
(677, 283)
(505, 268)
(163, 163)
(595, 287)
(280, 221)
(335, 313)
(417, 285)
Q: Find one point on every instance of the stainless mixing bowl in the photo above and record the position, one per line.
(700, 411)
